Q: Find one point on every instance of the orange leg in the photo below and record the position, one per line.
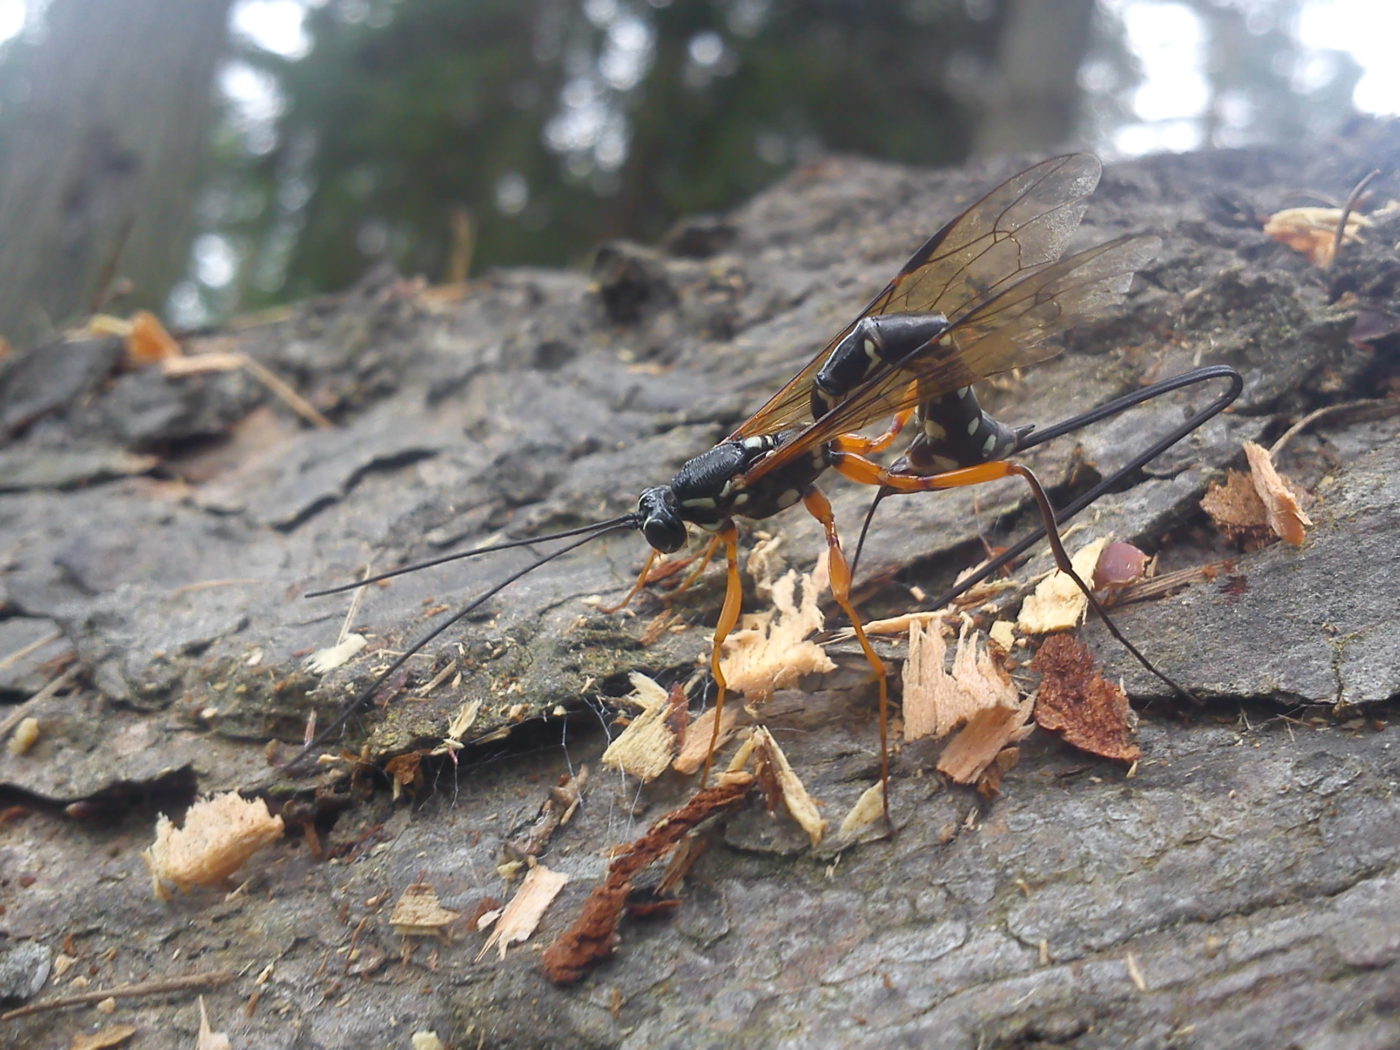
(856, 467)
(820, 508)
(728, 617)
(865, 446)
(641, 582)
(705, 558)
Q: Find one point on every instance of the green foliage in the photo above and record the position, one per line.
(554, 124)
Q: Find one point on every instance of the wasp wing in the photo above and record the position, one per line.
(1007, 329)
(1022, 224)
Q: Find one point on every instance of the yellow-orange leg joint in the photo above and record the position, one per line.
(728, 617)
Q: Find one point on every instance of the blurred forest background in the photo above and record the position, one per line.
(202, 157)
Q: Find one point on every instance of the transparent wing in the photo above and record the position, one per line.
(1022, 224)
(1007, 329)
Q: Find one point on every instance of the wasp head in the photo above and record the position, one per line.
(661, 522)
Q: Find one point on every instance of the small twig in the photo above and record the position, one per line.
(1352, 198)
(10, 659)
(125, 991)
(1385, 407)
(226, 362)
(295, 401)
(22, 711)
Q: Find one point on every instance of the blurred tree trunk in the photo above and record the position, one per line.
(99, 170)
(1032, 100)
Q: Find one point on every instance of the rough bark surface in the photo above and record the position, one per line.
(1240, 889)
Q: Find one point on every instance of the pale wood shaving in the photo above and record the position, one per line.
(526, 908)
(207, 1038)
(1058, 604)
(764, 562)
(419, 913)
(229, 361)
(148, 341)
(937, 701)
(793, 793)
(772, 650)
(220, 833)
(868, 810)
(892, 625)
(328, 659)
(1313, 231)
(457, 728)
(696, 748)
(1286, 517)
(645, 748)
(1003, 632)
(978, 743)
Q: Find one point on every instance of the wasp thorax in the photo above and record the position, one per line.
(661, 523)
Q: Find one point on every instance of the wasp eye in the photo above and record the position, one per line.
(666, 533)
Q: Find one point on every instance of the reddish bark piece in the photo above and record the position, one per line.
(593, 936)
(1076, 701)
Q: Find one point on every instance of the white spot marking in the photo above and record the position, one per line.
(788, 498)
(935, 430)
(989, 444)
(972, 425)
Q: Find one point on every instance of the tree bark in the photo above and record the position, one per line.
(98, 178)
(1031, 103)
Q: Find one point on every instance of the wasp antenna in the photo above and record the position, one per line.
(627, 521)
(880, 494)
(596, 529)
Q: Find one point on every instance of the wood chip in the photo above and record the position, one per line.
(868, 811)
(1090, 712)
(771, 767)
(419, 913)
(700, 735)
(1253, 508)
(1313, 231)
(333, 656)
(1058, 604)
(148, 341)
(771, 650)
(1237, 510)
(1003, 632)
(1285, 516)
(976, 746)
(593, 936)
(522, 915)
(220, 833)
(937, 701)
(208, 1039)
(645, 748)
